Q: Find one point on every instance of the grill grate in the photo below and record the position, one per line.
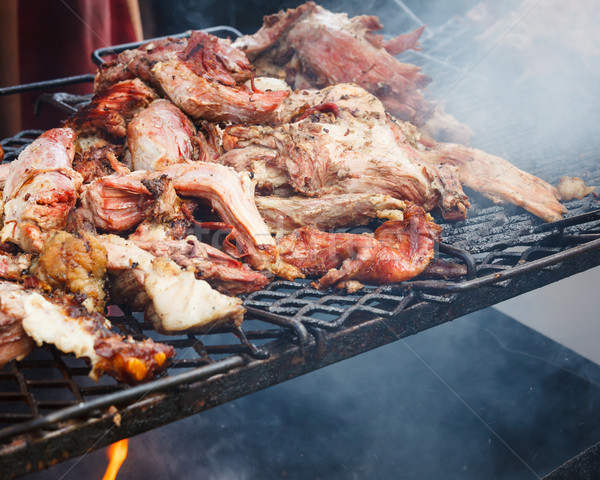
(48, 404)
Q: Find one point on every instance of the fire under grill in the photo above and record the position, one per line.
(48, 403)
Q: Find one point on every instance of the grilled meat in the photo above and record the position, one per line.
(203, 98)
(138, 63)
(97, 161)
(40, 190)
(499, 180)
(14, 342)
(316, 48)
(65, 324)
(14, 265)
(221, 271)
(110, 111)
(117, 202)
(398, 251)
(159, 136)
(76, 264)
(354, 147)
(172, 299)
(283, 215)
(573, 187)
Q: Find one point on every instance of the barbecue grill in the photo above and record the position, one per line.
(47, 402)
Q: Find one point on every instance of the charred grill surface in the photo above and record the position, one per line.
(48, 404)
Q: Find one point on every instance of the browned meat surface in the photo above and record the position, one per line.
(98, 161)
(203, 98)
(172, 299)
(283, 215)
(109, 112)
(137, 63)
(76, 264)
(351, 147)
(14, 342)
(159, 136)
(398, 251)
(13, 266)
(499, 180)
(316, 48)
(40, 190)
(221, 271)
(117, 202)
(207, 82)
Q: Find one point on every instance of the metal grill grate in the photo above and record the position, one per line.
(47, 402)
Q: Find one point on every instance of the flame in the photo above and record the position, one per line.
(117, 453)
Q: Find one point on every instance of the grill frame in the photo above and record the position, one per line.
(299, 336)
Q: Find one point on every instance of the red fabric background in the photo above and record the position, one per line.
(57, 38)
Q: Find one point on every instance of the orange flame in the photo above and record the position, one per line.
(117, 453)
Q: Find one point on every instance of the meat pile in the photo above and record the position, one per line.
(274, 141)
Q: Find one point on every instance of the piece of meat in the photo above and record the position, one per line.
(99, 161)
(352, 146)
(221, 271)
(4, 169)
(398, 251)
(573, 187)
(138, 63)
(215, 58)
(203, 98)
(61, 321)
(117, 202)
(232, 196)
(316, 48)
(40, 190)
(283, 215)
(76, 264)
(498, 179)
(15, 344)
(356, 148)
(172, 299)
(159, 136)
(13, 266)
(110, 111)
